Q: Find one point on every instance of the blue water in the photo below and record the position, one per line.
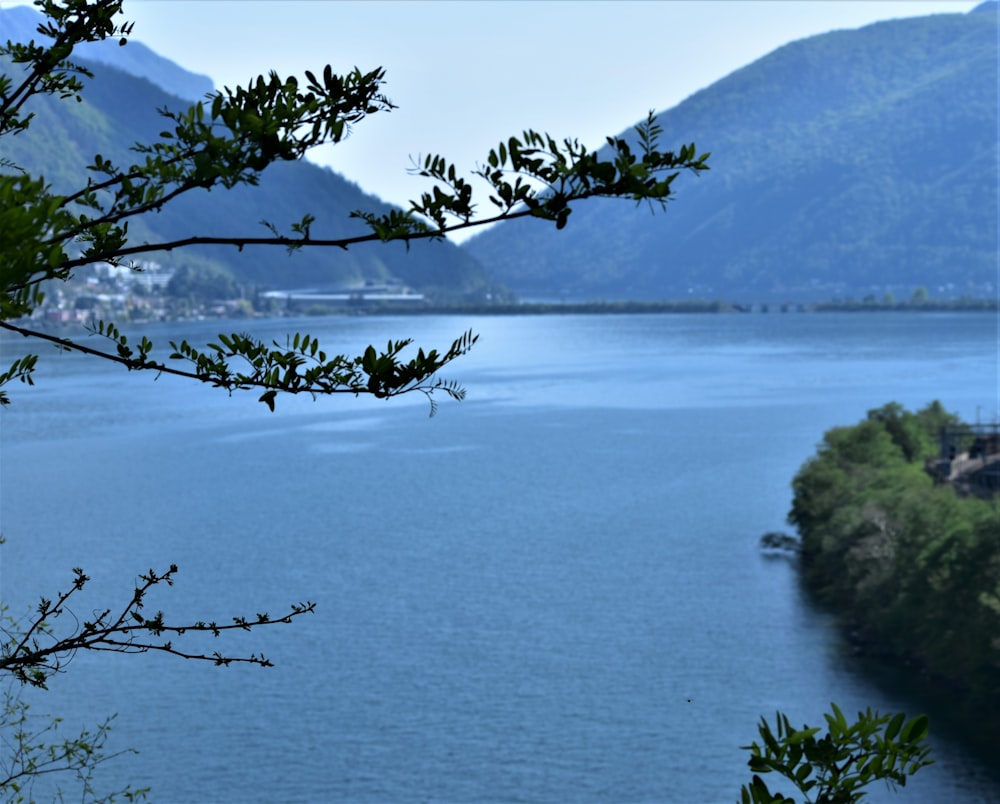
(550, 592)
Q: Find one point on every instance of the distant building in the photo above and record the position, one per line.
(361, 294)
(969, 458)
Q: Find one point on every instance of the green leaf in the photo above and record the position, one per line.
(839, 718)
(894, 726)
(916, 730)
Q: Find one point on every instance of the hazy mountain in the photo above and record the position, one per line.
(20, 24)
(846, 164)
(119, 109)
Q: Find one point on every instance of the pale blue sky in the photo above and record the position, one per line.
(468, 73)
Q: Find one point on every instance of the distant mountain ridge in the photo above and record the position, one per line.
(851, 163)
(20, 24)
(119, 108)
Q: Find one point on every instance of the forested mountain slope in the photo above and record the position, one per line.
(119, 109)
(852, 163)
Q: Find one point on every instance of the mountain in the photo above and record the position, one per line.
(20, 24)
(119, 109)
(851, 163)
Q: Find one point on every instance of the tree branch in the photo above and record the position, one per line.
(128, 632)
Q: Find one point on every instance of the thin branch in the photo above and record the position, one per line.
(33, 663)
(46, 609)
(286, 242)
(114, 218)
(102, 639)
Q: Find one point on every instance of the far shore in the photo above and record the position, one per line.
(633, 307)
(545, 308)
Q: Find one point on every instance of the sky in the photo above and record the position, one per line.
(466, 74)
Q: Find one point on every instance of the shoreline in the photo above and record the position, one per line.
(552, 308)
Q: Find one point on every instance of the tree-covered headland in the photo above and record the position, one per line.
(900, 535)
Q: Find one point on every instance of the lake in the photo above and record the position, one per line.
(552, 591)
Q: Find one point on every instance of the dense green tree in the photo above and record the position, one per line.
(906, 431)
(209, 282)
(912, 567)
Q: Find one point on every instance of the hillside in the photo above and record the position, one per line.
(119, 109)
(849, 164)
(20, 24)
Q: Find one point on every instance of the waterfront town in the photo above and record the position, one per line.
(150, 291)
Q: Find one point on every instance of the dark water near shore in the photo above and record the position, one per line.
(550, 592)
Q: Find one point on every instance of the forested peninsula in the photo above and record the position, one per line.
(900, 536)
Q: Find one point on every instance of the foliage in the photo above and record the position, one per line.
(29, 753)
(836, 767)
(912, 567)
(190, 282)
